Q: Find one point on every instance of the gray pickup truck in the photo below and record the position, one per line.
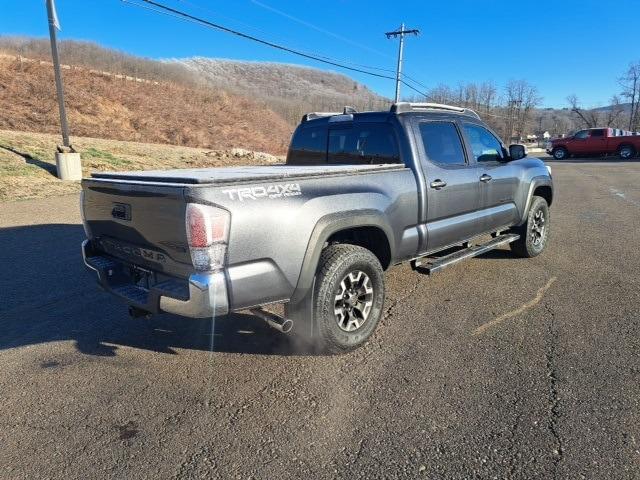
(423, 183)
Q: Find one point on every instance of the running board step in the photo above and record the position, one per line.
(433, 265)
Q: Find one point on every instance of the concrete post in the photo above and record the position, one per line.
(68, 164)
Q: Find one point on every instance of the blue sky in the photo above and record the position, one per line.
(561, 46)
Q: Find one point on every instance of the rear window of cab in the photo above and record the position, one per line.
(353, 144)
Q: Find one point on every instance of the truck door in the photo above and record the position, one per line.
(497, 178)
(451, 181)
(597, 141)
(578, 144)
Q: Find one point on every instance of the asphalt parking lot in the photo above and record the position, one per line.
(496, 368)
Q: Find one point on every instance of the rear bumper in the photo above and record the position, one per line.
(202, 295)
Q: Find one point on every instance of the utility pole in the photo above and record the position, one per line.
(53, 26)
(400, 33)
(68, 162)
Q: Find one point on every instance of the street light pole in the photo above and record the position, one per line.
(68, 161)
(53, 26)
(400, 33)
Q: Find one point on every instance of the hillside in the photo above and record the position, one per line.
(110, 107)
(288, 89)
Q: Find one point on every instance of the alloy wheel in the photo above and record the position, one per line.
(353, 301)
(538, 228)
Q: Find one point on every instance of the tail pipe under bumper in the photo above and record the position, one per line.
(281, 324)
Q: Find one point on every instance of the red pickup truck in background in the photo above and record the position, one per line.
(596, 141)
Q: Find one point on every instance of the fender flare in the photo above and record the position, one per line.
(324, 228)
(538, 181)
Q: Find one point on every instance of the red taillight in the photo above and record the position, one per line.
(196, 227)
(206, 225)
(207, 232)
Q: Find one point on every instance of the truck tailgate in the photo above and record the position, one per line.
(143, 224)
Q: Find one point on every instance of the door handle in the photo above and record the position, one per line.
(438, 184)
(485, 178)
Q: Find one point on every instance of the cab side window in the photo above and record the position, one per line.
(442, 143)
(582, 134)
(484, 145)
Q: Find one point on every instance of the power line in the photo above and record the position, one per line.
(414, 80)
(317, 28)
(316, 54)
(186, 16)
(277, 36)
(172, 12)
(404, 82)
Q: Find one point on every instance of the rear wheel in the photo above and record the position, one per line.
(560, 153)
(626, 152)
(534, 234)
(349, 297)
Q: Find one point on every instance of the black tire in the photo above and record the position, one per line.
(560, 153)
(532, 241)
(626, 152)
(336, 264)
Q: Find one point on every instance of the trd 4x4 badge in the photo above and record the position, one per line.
(264, 191)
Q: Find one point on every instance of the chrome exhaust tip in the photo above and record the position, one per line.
(281, 324)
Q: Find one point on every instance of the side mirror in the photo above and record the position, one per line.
(517, 151)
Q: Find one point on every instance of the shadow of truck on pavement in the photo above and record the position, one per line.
(48, 295)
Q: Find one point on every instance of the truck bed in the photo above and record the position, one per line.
(231, 175)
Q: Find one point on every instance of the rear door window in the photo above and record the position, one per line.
(365, 143)
(308, 147)
(442, 143)
(597, 133)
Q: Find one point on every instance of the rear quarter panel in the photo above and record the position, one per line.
(269, 237)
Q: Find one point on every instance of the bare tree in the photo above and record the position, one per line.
(487, 96)
(440, 94)
(589, 118)
(521, 98)
(613, 114)
(630, 83)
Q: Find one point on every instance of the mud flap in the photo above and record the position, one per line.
(301, 312)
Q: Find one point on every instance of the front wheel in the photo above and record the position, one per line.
(349, 297)
(534, 234)
(560, 153)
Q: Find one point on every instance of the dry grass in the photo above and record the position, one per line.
(107, 107)
(27, 161)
